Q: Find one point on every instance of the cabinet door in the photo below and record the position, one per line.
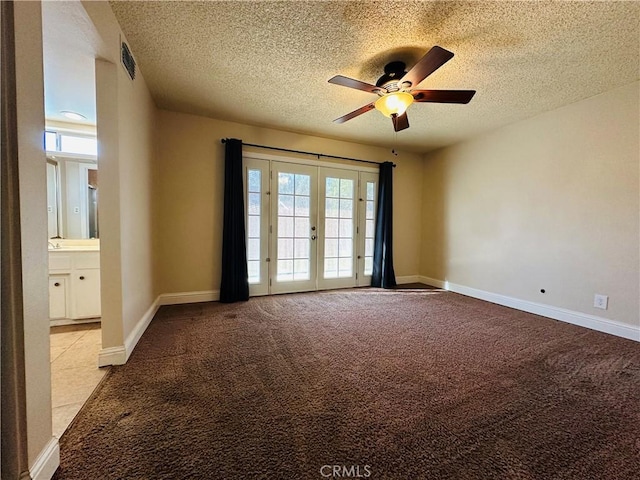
(58, 288)
(86, 293)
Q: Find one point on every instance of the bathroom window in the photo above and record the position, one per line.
(76, 143)
(51, 142)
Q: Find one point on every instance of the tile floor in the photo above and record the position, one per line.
(74, 370)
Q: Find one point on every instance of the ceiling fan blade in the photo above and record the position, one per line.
(400, 122)
(355, 113)
(433, 60)
(443, 96)
(357, 84)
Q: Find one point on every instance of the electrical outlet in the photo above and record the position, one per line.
(601, 301)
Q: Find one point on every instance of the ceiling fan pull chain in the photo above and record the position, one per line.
(394, 152)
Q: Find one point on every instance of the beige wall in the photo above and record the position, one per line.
(136, 133)
(32, 171)
(550, 202)
(109, 201)
(126, 116)
(189, 195)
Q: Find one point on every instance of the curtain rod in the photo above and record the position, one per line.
(224, 140)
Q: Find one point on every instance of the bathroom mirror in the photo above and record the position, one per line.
(72, 196)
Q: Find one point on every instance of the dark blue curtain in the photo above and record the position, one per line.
(234, 286)
(383, 274)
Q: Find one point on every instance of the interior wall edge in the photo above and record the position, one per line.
(119, 354)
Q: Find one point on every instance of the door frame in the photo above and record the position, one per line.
(253, 159)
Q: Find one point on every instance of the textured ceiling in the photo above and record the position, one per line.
(267, 63)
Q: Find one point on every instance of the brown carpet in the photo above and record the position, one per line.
(406, 384)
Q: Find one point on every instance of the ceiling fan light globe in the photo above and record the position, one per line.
(394, 103)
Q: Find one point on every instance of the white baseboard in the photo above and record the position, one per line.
(120, 354)
(431, 281)
(592, 322)
(68, 321)
(47, 461)
(408, 279)
(112, 356)
(188, 297)
(134, 337)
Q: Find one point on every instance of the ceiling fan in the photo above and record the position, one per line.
(395, 88)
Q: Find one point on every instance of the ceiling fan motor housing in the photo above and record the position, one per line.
(393, 72)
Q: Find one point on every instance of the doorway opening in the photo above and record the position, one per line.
(70, 142)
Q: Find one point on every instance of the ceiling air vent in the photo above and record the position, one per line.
(127, 61)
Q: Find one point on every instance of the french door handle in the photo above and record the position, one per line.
(313, 229)
(313, 237)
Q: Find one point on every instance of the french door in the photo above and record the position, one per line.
(294, 227)
(338, 226)
(308, 227)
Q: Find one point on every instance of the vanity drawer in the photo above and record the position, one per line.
(86, 260)
(59, 261)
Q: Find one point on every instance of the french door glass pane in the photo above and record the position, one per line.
(293, 246)
(332, 207)
(338, 227)
(369, 228)
(253, 226)
(254, 180)
(285, 205)
(253, 249)
(254, 271)
(302, 227)
(254, 190)
(285, 227)
(345, 267)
